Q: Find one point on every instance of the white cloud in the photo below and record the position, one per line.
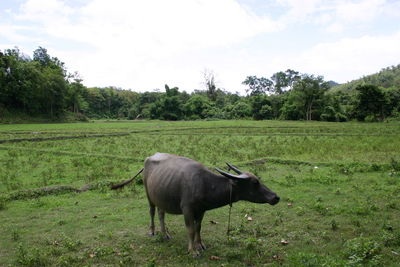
(299, 10)
(11, 32)
(335, 28)
(351, 58)
(144, 25)
(144, 44)
(337, 12)
(51, 14)
(134, 43)
(359, 11)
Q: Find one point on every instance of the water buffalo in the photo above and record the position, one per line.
(180, 185)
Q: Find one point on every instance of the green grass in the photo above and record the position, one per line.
(339, 185)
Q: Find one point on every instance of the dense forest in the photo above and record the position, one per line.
(387, 78)
(42, 87)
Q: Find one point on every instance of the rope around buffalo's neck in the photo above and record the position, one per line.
(230, 209)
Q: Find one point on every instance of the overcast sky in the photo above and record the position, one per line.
(142, 45)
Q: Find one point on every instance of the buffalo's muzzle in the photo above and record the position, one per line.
(275, 200)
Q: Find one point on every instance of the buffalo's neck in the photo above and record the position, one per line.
(219, 191)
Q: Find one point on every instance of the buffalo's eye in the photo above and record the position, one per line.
(255, 181)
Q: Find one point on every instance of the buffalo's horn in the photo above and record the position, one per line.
(235, 169)
(232, 176)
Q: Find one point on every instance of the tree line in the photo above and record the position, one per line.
(41, 86)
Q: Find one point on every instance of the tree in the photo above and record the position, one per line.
(257, 86)
(260, 107)
(239, 110)
(209, 83)
(371, 101)
(75, 100)
(197, 106)
(333, 108)
(40, 55)
(168, 107)
(95, 101)
(12, 71)
(55, 83)
(41, 86)
(284, 80)
(306, 97)
(145, 103)
(276, 103)
(278, 84)
(36, 86)
(54, 88)
(31, 91)
(393, 97)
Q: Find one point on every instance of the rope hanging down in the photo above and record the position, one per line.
(230, 209)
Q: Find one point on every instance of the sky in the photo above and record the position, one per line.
(142, 45)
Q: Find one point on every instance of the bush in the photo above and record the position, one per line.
(330, 114)
(3, 203)
(391, 239)
(362, 250)
(311, 260)
(395, 164)
(73, 117)
(31, 257)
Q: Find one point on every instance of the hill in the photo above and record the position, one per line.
(387, 77)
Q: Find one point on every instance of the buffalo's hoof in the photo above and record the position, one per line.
(200, 247)
(196, 254)
(166, 237)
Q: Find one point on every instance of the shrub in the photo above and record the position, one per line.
(3, 203)
(395, 164)
(31, 257)
(311, 260)
(391, 239)
(362, 250)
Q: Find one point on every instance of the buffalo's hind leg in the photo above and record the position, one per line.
(152, 212)
(161, 217)
(198, 244)
(191, 228)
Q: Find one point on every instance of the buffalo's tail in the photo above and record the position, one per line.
(116, 186)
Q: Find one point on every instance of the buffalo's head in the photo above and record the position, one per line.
(249, 187)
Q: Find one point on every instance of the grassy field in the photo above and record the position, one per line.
(339, 185)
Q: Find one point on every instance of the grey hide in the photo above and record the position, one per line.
(180, 185)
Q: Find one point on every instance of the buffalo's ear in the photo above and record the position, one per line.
(232, 176)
